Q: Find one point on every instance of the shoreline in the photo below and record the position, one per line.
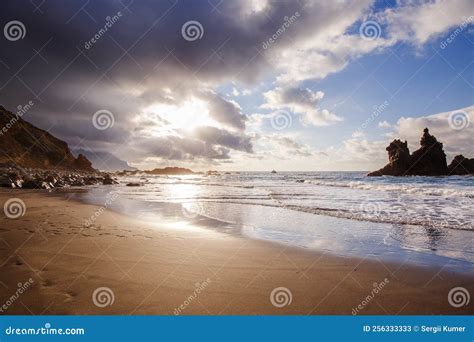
(153, 268)
(339, 236)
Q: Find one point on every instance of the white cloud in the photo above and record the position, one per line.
(326, 47)
(358, 134)
(302, 101)
(362, 150)
(418, 23)
(277, 147)
(235, 92)
(384, 124)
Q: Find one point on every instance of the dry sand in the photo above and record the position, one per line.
(153, 268)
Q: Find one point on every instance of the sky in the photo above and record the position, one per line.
(242, 85)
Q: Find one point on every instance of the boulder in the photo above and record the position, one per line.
(461, 166)
(32, 178)
(32, 183)
(77, 182)
(6, 182)
(108, 180)
(46, 185)
(90, 180)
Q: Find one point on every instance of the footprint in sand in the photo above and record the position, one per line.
(70, 296)
(46, 283)
(143, 236)
(17, 262)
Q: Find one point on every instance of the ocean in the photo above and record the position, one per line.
(426, 220)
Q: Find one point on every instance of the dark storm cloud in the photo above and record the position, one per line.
(225, 138)
(141, 59)
(177, 148)
(225, 111)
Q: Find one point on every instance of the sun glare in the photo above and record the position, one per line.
(187, 116)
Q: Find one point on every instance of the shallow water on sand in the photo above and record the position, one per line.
(424, 220)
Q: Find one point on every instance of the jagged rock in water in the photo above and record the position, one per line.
(428, 160)
(461, 166)
(398, 159)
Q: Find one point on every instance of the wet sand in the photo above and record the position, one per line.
(163, 268)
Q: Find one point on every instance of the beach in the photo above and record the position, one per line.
(68, 251)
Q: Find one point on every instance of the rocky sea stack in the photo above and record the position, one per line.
(428, 160)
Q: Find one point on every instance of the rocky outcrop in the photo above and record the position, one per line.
(25, 145)
(398, 160)
(170, 170)
(82, 163)
(428, 160)
(108, 180)
(28, 178)
(461, 166)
